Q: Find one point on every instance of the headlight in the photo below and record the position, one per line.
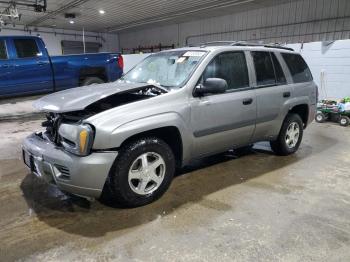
(77, 139)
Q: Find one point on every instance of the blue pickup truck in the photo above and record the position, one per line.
(26, 67)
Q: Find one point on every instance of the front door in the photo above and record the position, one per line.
(223, 121)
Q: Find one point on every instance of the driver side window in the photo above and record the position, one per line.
(230, 66)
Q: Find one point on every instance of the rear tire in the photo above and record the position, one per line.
(92, 81)
(344, 121)
(290, 136)
(132, 182)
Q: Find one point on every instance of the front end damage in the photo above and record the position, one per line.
(62, 118)
(63, 154)
(82, 176)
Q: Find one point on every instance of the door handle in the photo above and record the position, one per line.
(206, 103)
(5, 66)
(247, 101)
(41, 63)
(286, 94)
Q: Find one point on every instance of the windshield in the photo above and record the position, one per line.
(167, 69)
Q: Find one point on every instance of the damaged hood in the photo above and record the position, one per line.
(79, 98)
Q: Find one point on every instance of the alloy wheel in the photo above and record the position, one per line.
(146, 173)
(292, 135)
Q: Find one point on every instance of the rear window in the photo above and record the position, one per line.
(3, 53)
(280, 78)
(26, 48)
(298, 68)
(265, 74)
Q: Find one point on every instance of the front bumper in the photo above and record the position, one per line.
(82, 176)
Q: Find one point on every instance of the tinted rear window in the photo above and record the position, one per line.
(265, 74)
(3, 53)
(298, 68)
(26, 48)
(280, 78)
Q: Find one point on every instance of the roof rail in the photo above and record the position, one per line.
(244, 43)
(279, 47)
(274, 45)
(214, 43)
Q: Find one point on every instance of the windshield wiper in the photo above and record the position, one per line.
(160, 87)
(166, 86)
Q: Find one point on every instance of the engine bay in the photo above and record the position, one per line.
(54, 120)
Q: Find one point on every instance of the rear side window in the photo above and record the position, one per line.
(3, 52)
(232, 67)
(26, 48)
(265, 74)
(298, 68)
(280, 77)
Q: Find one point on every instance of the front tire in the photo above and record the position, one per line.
(142, 173)
(320, 117)
(290, 136)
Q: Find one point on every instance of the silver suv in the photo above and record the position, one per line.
(126, 139)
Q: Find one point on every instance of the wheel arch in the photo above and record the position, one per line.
(169, 126)
(169, 134)
(303, 111)
(86, 72)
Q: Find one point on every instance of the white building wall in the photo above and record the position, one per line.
(330, 66)
(291, 22)
(109, 42)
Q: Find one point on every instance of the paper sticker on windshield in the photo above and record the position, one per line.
(181, 59)
(194, 53)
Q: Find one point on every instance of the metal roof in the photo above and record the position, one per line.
(124, 15)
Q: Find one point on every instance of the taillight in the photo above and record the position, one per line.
(121, 62)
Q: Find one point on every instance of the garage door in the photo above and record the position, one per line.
(77, 47)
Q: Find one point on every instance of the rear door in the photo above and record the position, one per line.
(32, 67)
(223, 121)
(5, 68)
(272, 92)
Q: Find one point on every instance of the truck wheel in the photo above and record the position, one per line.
(142, 173)
(290, 136)
(320, 117)
(344, 121)
(92, 81)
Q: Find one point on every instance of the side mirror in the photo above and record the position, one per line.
(212, 86)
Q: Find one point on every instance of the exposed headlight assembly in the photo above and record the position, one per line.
(77, 139)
